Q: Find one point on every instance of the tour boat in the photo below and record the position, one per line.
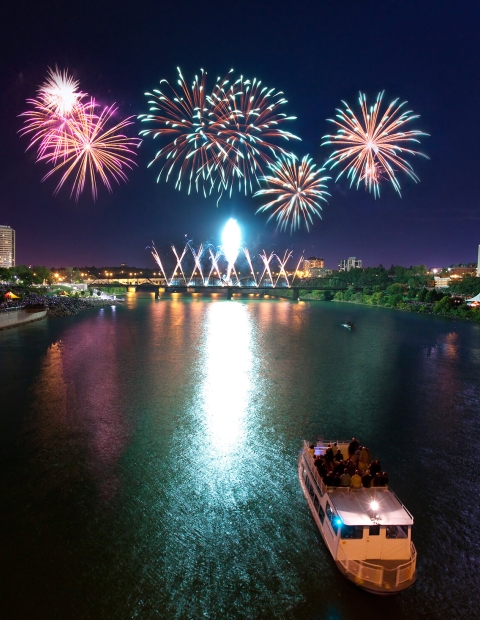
(349, 325)
(368, 531)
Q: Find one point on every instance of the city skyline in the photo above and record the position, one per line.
(336, 54)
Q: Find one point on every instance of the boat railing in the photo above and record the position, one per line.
(361, 569)
(406, 571)
(312, 469)
(375, 573)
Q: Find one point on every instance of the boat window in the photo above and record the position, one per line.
(397, 531)
(374, 530)
(311, 488)
(334, 520)
(316, 503)
(352, 531)
(321, 513)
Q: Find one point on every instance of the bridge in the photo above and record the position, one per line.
(197, 285)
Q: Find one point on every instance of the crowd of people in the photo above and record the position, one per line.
(354, 470)
(57, 305)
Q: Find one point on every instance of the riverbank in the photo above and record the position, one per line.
(59, 305)
(439, 304)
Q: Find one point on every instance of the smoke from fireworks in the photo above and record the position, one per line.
(70, 135)
(376, 147)
(220, 139)
(298, 189)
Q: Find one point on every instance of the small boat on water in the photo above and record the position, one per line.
(349, 325)
(368, 531)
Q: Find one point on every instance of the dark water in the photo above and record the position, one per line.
(149, 458)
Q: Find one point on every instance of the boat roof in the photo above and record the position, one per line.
(354, 507)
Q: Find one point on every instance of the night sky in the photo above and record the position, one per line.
(317, 53)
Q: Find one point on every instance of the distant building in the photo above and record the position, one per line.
(7, 246)
(350, 263)
(478, 263)
(441, 282)
(315, 268)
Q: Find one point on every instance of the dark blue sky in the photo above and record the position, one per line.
(318, 53)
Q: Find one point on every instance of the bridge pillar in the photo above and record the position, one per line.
(156, 293)
(229, 292)
(296, 294)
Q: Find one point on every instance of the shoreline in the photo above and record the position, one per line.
(61, 306)
(413, 306)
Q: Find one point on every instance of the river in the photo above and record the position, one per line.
(149, 458)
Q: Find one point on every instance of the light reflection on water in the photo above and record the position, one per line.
(150, 457)
(227, 386)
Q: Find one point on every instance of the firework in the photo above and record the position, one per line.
(374, 148)
(91, 150)
(298, 189)
(248, 122)
(71, 136)
(48, 122)
(213, 141)
(184, 121)
(60, 93)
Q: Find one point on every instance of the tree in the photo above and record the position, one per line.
(42, 274)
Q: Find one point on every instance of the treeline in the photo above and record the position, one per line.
(38, 274)
(405, 288)
(414, 277)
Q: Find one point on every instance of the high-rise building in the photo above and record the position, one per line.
(7, 246)
(350, 263)
(478, 263)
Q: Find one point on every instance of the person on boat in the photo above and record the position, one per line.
(345, 479)
(378, 481)
(338, 455)
(329, 455)
(367, 479)
(356, 481)
(364, 459)
(375, 467)
(353, 447)
(311, 449)
(329, 479)
(385, 478)
(336, 480)
(350, 467)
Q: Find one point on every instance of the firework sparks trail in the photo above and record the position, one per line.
(185, 121)
(247, 256)
(247, 120)
(212, 141)
(158, 261)
(266, 266)
(179, 263)
(214, 258)
(79, 142)
(282, 263)
(375, 147)
(196, 257)
(93, 149)
(298, 188)
(296, 269)
(48, 123)
(60, 92)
